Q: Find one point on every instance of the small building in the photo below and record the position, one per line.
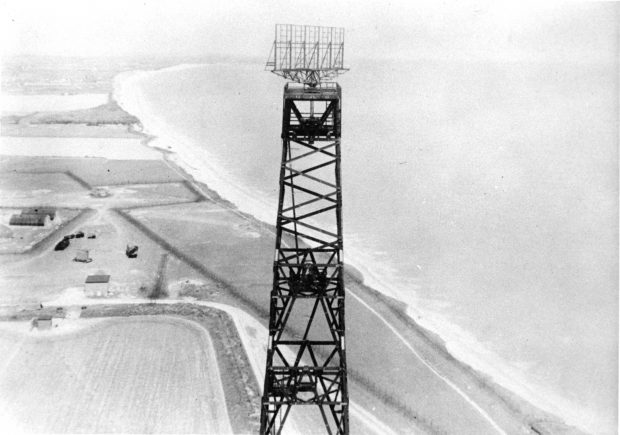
(43, 322)
(44, 211)
(100, 192)
(33, 220)
(97, 285)
(81, 255)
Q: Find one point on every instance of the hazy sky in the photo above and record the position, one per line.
(587, 31)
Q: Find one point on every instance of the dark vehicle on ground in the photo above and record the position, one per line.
(131, 251)
(60, 246)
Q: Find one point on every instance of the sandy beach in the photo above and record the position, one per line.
(196, 247)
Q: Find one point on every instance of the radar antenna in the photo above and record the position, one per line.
(307, 54)
(306, 358)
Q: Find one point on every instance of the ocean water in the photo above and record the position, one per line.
(483, 195)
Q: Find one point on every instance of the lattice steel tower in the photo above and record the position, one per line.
(306, 362)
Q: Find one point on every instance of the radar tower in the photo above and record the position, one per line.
(306, 360)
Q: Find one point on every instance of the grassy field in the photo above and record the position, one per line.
(109, 113)
(11, 126)
(131, 375)
(96, 172)
(51, 189)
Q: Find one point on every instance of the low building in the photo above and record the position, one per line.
(44, 211)
(82, 256)
(100, 192)
(43, 322)
(97, 285)
(33, 220)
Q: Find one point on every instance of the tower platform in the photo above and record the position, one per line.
(322, 91)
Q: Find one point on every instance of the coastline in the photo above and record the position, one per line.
(536, 418)
(197, 165)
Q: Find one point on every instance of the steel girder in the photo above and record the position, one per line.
(306, 360)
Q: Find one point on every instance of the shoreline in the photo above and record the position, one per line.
(461, 346)
(356, 275)
(531, 413)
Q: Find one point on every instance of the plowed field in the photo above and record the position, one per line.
(130, 375)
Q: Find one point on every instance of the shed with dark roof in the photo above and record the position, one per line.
(49, 211)
(33, 220)
(44, 321)
(96, 285)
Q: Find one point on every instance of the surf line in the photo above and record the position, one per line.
(460, 392)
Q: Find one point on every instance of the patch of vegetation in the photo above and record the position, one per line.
(110, 113)
(153, 292)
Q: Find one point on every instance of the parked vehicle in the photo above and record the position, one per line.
(60, 246)
(131, 251)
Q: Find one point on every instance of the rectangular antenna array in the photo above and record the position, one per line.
(307, 54)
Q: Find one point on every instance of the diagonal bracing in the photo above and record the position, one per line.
(306, 360)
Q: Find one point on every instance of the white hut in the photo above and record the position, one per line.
(97, 285)
(43, 322)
